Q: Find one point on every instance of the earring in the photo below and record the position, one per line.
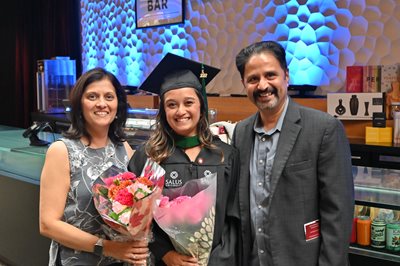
(116, 117)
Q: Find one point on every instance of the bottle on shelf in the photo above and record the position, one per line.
(363, 230)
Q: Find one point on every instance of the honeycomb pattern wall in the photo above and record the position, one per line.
(321, 38)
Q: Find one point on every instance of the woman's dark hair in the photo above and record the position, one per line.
(161, 142)
(271, 47)
(78, 128)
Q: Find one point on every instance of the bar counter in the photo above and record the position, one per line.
(20, 167)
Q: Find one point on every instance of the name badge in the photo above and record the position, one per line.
(311, 230)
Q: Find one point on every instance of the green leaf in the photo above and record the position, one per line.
(103, 191)
(124, 211)
(113, 215)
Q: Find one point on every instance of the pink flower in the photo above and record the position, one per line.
(118, 207)
(139, 195)
(185, 209)
(120, 177)
(181, 199)
(139, 190)
(128, 176)
(109, 180)
(164, 202)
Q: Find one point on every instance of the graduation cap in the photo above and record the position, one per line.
(175, 72)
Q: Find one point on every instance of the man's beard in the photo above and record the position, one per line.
(266, 105)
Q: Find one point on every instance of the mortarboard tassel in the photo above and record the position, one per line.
(203, 77)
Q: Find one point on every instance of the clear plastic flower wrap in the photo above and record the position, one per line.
(187, 215)
(126, 202)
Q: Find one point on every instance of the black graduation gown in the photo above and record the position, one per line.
(179, 169)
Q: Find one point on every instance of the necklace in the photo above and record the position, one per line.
(186, 142)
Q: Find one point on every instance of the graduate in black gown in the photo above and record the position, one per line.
(184, 146)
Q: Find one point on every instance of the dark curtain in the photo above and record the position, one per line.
(35, 30)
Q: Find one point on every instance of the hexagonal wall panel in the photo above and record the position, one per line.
(321, 38)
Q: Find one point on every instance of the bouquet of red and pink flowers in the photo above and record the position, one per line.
(126, 202)
(187, 215)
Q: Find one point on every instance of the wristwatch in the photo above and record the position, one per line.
(98, 247)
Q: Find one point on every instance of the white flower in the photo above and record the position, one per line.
(124, 218)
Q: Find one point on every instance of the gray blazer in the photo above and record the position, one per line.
(311, 179)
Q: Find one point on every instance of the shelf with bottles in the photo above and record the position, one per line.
(376, 233)
(377, 196)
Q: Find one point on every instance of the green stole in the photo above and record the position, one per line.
(186, 142)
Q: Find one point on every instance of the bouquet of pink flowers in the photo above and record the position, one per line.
(187, 215)
(126, 202)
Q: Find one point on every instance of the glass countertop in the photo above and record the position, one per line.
(20, 160)
(377, 187)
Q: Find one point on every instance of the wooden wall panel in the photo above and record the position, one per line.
(143, 101)
(237, 108)
(231, 108)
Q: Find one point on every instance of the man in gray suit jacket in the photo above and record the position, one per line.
(296, 193)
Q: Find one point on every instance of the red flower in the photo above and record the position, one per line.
(124, 197)
(115, 188)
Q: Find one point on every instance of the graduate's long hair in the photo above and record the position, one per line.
(161, 143)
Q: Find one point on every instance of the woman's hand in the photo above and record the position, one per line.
(173, 258)
(133, 252)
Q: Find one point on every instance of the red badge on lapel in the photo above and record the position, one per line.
(311, 230)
